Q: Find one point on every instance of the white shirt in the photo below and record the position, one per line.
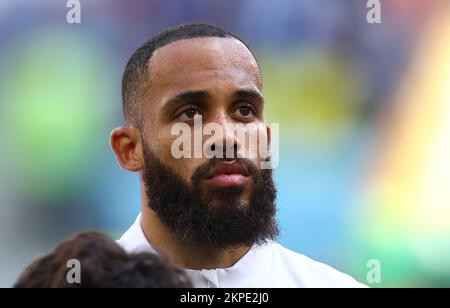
(265, 266)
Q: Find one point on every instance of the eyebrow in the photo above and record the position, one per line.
(183, 98)
(200, 98)
(249, 94)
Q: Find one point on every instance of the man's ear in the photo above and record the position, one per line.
(127, 145)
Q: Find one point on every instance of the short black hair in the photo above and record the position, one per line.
(104, 264)
(133, 84)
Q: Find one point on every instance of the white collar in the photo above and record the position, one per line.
(250, 269)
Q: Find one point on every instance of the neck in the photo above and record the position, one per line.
(185, 254)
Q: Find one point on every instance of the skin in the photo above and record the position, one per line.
(228, 77)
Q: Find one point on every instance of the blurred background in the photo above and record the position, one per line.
(364, 113)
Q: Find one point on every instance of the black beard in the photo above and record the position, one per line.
(190, 215)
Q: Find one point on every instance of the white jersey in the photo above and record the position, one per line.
(265, 266)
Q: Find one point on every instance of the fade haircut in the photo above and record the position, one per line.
(137, 70)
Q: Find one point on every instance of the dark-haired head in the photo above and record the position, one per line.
(103, 264)
(205, 71)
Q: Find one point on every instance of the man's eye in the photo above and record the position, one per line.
(189, 114)
(246, 111)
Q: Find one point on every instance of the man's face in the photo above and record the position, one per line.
(214, 202)
(217, 78)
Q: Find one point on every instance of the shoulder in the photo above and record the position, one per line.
(309, 273)
(133, 240)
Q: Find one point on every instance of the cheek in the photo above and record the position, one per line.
(183, 167)
(256, 145)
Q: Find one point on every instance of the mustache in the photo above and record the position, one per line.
(202, 172)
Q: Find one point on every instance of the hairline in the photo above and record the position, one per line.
(145, 77)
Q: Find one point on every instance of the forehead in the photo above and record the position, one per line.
(202, 64)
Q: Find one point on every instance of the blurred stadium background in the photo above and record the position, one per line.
(364, 113)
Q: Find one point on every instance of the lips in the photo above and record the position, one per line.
(228, 175)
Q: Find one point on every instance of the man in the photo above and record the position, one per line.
(213, 216)
(102, 264)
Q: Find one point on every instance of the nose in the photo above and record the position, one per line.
(226, 142)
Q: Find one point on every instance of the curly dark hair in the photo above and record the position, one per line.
(103, 264)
